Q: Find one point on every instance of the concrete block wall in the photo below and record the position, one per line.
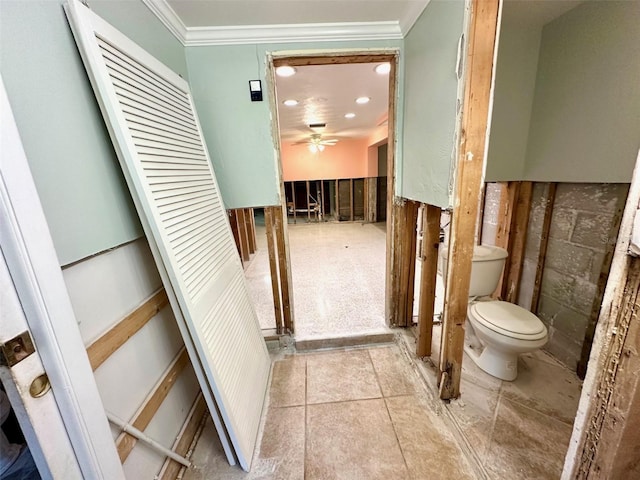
(581, 225)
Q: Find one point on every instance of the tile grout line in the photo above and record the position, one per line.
(469, 453)
(535, 410)
(306, 427)
(495, 419)
(386, 406)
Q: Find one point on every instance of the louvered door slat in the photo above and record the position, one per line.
(151, 117)
(140, 72)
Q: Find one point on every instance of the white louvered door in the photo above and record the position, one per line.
(150, 115)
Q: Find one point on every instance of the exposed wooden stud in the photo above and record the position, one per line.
(334, 59)
(251, 230)
(405, 251)
(171, 469)
(308, 204)
(508, 198)
(126, 328)
(273, 267)
(338, 200)
(390, 265)
(600, 286)
(366, 199)
(544, 242)
(351, 199)
(430, 242)
(233, 221)
(141, 420)
(283, 268)
(468, 186)
(517, 242)
(293, 198)
(483, 203)
(244, 237)
(322, 213)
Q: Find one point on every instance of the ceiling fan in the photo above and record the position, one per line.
(316, 143)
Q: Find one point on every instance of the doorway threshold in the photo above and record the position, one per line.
(344, 341)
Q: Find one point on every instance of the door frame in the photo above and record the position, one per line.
(341, 57)
(35, 271)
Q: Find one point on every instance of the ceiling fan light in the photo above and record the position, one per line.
(313, 148)
(321, 148)
(383, 68)
(285, 71)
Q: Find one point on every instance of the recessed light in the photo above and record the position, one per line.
(383, 68)
(291, 103)
(349, 115)
(285, 71)
(362, 100)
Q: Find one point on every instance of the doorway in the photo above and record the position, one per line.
(333, 116)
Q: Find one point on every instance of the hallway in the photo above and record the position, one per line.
(338, 279)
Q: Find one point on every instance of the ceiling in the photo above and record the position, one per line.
(325, 94)
(199, 13)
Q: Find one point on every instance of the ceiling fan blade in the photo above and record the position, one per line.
(329, 142)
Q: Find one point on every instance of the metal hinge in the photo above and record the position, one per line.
(17, 349)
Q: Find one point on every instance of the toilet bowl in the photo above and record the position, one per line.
(497, 331)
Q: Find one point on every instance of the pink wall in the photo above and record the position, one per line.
(346, 159)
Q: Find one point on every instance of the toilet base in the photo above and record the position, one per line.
(500, 364)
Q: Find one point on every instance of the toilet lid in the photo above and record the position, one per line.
(508, 319)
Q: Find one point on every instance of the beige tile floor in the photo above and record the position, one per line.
(360, 414)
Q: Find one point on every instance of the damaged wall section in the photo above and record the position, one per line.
(583, 219)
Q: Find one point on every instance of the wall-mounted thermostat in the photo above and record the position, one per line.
(255, 88)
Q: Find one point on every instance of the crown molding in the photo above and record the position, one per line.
(311, 32)
(168, 17)
(289, 33)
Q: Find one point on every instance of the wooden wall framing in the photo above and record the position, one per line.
(468, 188)
(114, 338)
(428, 274)
(513, 220)
(242, 223)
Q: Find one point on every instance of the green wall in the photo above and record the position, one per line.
(430, 92)
(515, 83)
(81, 187)
(238, 131)
(586, 115)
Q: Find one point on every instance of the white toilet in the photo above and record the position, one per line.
(497, 332)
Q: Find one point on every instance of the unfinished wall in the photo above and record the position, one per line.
(579, 234)
(88, 206)
(583, 223)
(431, 49)
(103, 290)
(238, 131)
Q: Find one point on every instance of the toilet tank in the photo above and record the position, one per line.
(488, 262)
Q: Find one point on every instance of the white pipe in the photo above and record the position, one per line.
(133, 431)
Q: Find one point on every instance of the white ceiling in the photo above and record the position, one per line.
(206, 13)
(325, 93)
